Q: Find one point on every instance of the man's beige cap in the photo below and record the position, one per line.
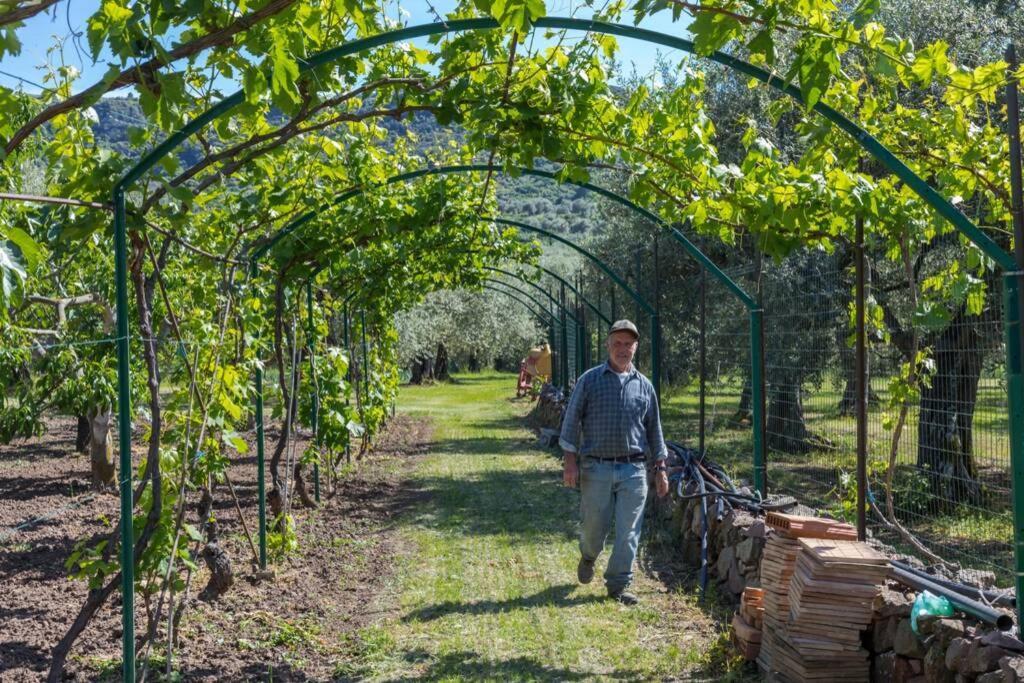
(624, 326)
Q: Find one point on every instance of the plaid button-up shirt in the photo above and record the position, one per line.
(616, 418)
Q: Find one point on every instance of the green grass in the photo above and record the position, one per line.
(487, 590)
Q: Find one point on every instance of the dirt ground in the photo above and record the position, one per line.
(297, 626)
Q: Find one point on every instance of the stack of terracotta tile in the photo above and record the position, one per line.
(778, 564)
(830, 597)
(748, 621)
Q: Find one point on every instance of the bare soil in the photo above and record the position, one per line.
(297, 626)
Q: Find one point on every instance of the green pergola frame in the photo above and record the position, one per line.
(1012, 276)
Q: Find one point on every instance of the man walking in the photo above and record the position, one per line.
(616, 409)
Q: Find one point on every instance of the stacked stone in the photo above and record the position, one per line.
(948, 649)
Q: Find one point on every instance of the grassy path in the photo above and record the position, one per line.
(487, 590)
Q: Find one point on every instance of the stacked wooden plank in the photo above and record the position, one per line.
(748, 621)
(818, 584)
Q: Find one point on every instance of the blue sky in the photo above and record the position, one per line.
(37, 36)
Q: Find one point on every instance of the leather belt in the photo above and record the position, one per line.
(632, 457)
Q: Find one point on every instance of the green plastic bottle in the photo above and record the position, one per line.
(927, 603)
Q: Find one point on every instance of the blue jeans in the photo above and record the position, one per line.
(610, 489)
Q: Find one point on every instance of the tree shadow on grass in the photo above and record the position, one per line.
(552, 596)
(524, 505)
(483, 445)
(471, 666)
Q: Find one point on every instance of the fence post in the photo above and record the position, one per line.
(861, 386)
(345, 333)
(124, 429)
(757, 399)
(366, 358)
(703, 357)
(1013, 305)
(565, 340)
(656, 292)
(315, 404)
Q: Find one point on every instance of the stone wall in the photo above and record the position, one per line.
(949, 650)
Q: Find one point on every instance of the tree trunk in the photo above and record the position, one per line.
(745, 412)
(219, 564)
(441, 363)
(787, 429)
(945, 424)
(101, 449)
(82, 435)
(299, 485)
(422, 369)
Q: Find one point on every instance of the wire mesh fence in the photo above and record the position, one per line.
(938, 456)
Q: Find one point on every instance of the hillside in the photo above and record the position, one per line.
(561, 209)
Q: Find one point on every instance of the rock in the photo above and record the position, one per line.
(883, 667)
(976, 577)
(736, 584)
(892, 603)
(725, 561)
(906, 642)
(1012, 668)
(883, 634)
(1003, 640)
(982, 658)
(916, 666)
(756, 529)
(935, 670)
(750, 550)
(943, 629)
(990, 677)
(902, 671)
(956, 653)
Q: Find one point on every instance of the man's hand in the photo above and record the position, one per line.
(661, 483)
(570, 471)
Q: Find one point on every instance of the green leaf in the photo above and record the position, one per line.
(31, 254)
(284, 70)
(12, 275)
(864, 12)
(712, 30)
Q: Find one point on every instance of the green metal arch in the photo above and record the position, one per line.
(707, 263)
(867, 141)
(536, 312)
(597, 311)
(554, 301)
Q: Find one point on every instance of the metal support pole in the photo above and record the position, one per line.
(366, 357)
(124, 429)
(565, 341)
(1013, 311)
(861, 371)
(261, 454)
(315, 405)
(636, 306)
(657, 296)
(757, 399)
(261, 451)
(345, 331)
(656, 355)
(703, 358)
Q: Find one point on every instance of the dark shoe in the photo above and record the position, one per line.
(623, 596)
(585, 570)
